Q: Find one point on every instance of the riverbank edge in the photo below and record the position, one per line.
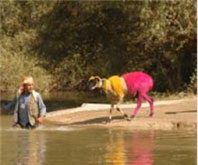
(182, 116)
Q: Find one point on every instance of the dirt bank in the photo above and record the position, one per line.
(174, 114)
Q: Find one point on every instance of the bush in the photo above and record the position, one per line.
(16, 61)
(192, 87)
(14, 67)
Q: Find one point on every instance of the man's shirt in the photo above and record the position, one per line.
(23, 110)
(23, 107)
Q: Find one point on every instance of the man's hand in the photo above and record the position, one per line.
(1, 111)
(40, 119)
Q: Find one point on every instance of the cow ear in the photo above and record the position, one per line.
(91, 78)
(98, 78)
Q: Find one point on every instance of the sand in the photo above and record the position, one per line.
(169, 115)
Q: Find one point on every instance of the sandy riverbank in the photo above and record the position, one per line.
(172, 114)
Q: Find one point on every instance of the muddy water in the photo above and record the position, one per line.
(62, 145)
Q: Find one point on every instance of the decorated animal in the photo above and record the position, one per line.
(135, 84)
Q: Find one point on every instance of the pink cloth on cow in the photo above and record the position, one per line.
(138, 82)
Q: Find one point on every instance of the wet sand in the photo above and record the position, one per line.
(170, 114)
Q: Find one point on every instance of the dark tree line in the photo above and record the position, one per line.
(73, 40)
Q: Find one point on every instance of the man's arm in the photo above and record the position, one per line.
(9, 107)
(42, 109)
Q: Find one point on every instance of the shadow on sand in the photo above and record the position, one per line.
(100, 120)
(172, 113)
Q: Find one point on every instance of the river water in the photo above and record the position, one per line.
(63, 145)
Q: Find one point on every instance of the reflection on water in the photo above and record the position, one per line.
(141, 150)
(31, 148)
(134, 149)
(79, 146)
(115, 149)
(22, 147)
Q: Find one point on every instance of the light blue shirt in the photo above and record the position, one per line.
(23, 109)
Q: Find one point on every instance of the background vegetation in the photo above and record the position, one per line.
(62, 43)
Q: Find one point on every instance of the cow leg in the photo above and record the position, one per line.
(120, 110)
(110, 112)
(139, 103)
(124, 114)
(150, 100)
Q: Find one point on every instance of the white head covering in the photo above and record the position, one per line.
(28, 80)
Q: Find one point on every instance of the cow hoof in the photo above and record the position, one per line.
(151, 114)
(126, 117)
(108, 121)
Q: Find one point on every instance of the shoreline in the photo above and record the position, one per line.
(169, 115)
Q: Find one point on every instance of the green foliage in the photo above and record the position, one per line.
(170, 42)
(68, 72)
(72, 40)
(192, 87)
(16, 61)
(16, 58)
(14, 67)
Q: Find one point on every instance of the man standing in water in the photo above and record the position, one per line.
(28, 106)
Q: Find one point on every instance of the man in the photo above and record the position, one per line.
(28, 106)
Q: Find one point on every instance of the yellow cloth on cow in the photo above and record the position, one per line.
(116, 85)
(107, 85)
